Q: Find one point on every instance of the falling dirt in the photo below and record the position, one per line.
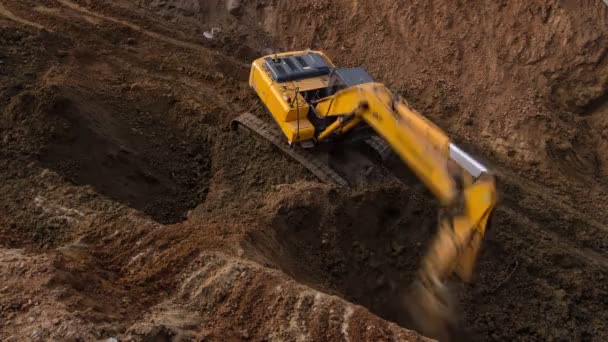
(129, 210)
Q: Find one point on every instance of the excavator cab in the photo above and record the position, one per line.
(342, 78)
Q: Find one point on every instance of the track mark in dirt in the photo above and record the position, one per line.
(64, 15)
(44, 9)
(8, 14)
(536, 189)
(132, 26)
(589, 256)
(355, 8)
(67, 214)
(296, 323)
(348, 313)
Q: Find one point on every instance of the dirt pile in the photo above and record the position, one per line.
(130, 210)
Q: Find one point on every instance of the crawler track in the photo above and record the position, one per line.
(308, 160)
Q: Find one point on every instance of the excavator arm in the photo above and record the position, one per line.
(465, 189)
(416, 140)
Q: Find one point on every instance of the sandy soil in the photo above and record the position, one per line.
(130, 210)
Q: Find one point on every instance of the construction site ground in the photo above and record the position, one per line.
(130, 210)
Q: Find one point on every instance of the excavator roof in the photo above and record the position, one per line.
(296, 67)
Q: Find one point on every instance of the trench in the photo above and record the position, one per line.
(132, 155)
(364, 246)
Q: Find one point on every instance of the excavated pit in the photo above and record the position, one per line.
(116, 134)
(364, 247)
(133, 155)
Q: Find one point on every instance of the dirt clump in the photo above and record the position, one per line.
(131, 211)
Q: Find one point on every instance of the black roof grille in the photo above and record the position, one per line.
(281, 70)
(302, 61)
(290, 63)
(292, 68)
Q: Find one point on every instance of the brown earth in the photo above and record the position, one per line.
(130, 210)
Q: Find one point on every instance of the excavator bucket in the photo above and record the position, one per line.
(431, 302)
(454, 250)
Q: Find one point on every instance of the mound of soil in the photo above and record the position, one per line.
(131, 211)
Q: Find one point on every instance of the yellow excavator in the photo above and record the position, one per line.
(313, 102)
